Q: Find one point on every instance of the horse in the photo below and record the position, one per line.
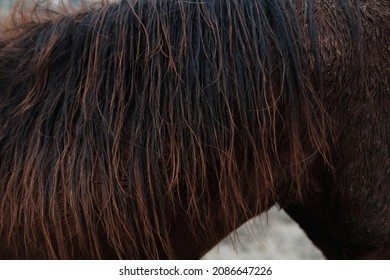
(151, 129)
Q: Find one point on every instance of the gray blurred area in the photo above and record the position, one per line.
(272, 237)
(5, 6)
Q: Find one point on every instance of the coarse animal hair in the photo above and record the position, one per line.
(125, 123)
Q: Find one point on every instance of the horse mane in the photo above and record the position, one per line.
(118, 118)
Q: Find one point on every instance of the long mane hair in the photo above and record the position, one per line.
(119, 119)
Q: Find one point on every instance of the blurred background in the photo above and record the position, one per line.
(271, 236)
(4, 6)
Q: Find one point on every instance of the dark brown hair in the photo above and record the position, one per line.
(119, 119)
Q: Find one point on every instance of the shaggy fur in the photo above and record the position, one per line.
(152, 129)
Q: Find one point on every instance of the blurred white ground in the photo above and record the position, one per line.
(277, 237)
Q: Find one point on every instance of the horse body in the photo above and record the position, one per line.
(348, 217)
(153, 129)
